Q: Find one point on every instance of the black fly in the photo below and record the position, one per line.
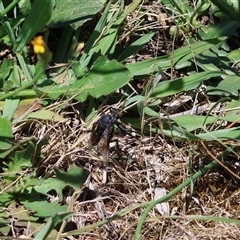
(102, 132)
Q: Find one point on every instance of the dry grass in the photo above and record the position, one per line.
(136, 169)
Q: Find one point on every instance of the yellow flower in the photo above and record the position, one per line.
(39, 45)
(40, 48)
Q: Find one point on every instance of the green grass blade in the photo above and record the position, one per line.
(8, 8)
(9, 108)
(6, 134)
(7, 25)
(222, 134)
(168, 88)
(36, 20)
(106, 45)
(96, 33)
(178, 56)
(51, 224)
(135, 46)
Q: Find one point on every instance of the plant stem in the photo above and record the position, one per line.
(8, 8)
(25, 86)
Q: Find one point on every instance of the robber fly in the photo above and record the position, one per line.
(102, 132)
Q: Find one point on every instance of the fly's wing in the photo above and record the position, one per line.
(96, 134)
(98, 129)
(103, 145)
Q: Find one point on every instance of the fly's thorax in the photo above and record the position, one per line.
(105, 121)
(108, 120)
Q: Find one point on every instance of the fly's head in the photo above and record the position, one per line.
(108, 120)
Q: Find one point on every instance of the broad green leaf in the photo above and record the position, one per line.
(6, 199)
(4, 153)
(37, 19)
(46, 115)
(6, 67)
(233, 108)
(178, 56)
(213, 59)
(225, 28)
(74, 12)
(226, 87)
(15, 76)
(105, 77)
(74, 177)
(150, 112)
(45, 185)
(24, 217)
(234, 56)
(41, 207)
(6, 134)
(13, 79)
(171, 87)
(20, 160)
(226, 9)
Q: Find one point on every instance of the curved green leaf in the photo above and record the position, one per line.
(168, 88)
(74, 12)
(6, 134)
(36, 20)
(105, 77)
(135, 46)
(178, 56)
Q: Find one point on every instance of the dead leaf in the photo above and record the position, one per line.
(163, 208)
